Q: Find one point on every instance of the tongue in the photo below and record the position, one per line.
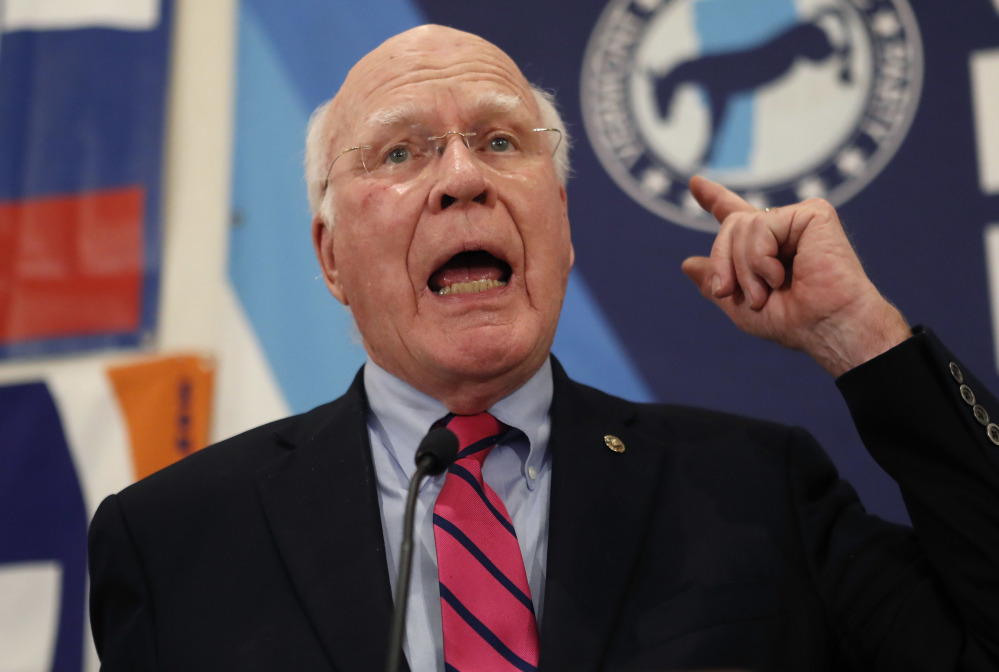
(466, 267)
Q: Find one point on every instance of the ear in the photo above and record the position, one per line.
(322, 242)
(565, 213)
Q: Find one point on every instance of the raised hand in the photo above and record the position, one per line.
(790, 275)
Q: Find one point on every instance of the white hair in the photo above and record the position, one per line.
(318, 152)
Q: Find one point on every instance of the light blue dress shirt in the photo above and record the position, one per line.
(518, 469)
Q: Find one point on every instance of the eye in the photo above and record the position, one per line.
(500, 143)
(398, 155)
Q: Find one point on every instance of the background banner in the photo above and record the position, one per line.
(82, 91)
(66, 442)
(82, 104)
(888, 108)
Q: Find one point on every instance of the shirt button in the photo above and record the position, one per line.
(532, 472)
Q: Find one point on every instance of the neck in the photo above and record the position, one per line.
(465, 394)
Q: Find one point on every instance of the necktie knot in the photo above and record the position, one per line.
(477, 434)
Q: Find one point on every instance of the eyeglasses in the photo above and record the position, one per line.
(400, 159)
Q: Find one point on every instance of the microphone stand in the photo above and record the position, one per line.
(437, 451)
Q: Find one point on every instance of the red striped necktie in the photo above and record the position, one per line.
(486, 607)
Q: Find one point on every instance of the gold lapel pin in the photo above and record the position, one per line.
(614, 443)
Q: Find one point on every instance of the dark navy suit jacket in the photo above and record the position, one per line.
(712, 542)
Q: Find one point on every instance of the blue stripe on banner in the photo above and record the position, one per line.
(589, 349)
(465, 475)
(485, 632)
(42, 513)
(318, 41)
(305, 333)
(484, 560)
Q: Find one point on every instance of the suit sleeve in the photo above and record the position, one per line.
(935, 429)
(120, 606)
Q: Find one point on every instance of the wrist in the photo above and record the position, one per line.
(850, 343)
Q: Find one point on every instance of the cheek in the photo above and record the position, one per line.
(546, 236)
(373, 200)
(388, 215)
(549, 260)
(374, 236)
(380, 217)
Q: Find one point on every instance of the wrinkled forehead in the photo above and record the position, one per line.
(477, 108)
(429, 78)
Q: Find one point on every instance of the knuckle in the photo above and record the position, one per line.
(819, 205)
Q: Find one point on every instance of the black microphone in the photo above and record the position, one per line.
(437, 451)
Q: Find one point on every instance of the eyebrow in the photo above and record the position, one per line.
(488, 104)
(392, 116)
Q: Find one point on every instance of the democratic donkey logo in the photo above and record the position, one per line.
(781, 100)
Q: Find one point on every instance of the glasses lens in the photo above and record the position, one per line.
(403, 158)
(398, 158)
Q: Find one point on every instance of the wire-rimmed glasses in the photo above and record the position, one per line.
(401, 159)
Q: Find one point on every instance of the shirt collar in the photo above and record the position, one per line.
(401, 415)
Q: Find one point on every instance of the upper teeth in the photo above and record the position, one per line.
(471, 287)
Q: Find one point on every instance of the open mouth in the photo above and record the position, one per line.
(469, 273)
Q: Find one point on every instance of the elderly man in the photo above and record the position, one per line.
(599, 534)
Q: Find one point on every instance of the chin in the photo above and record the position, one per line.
(486, 358)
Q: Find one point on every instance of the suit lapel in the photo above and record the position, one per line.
(601, 502)
(321, 502)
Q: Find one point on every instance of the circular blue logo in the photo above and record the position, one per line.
(780, 100)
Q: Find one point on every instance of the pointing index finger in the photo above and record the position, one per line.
(716, 199)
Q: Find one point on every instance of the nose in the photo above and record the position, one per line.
(460, 178)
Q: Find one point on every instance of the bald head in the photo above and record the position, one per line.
(402, 64)
(428, 52)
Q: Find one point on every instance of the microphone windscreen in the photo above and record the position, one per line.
(440, 447)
